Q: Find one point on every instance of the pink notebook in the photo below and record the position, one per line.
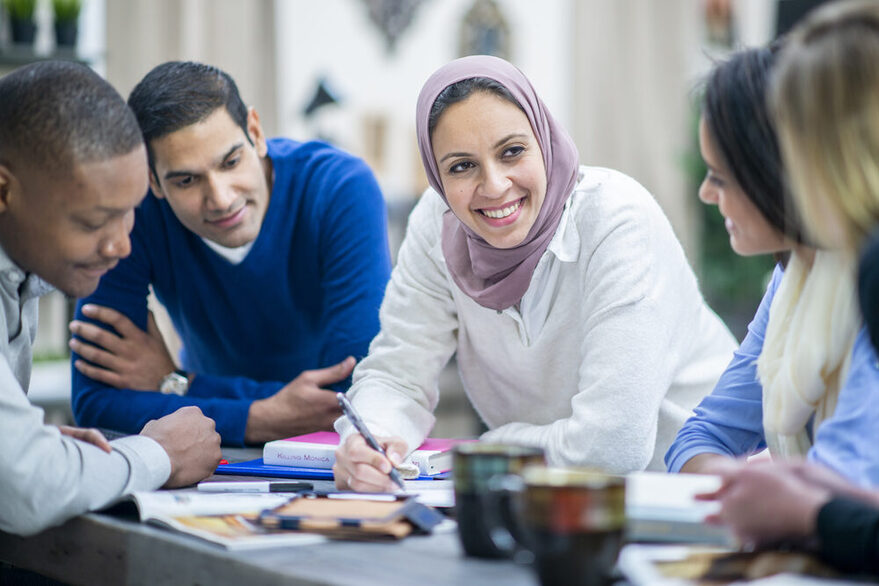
(318, 450)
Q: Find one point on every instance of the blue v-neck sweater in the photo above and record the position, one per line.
(306, 295)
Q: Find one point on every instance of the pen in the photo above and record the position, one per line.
(360, 426)
(254, 486)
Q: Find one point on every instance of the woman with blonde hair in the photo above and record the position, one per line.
(826, 103)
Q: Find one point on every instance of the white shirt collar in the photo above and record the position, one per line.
(233, 255)
(565, 244)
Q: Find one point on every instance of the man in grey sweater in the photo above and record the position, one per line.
(72, 169)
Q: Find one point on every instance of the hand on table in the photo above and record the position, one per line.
(302, 406)
(88, 435)
(128, 359)
(359, 467)
(191, 442)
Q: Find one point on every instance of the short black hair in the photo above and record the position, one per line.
(736, 111)
(55, 114)
(177, 94)
(460, 91)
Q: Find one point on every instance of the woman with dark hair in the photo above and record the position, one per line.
(735, 122)
(825, 103)
(799, 382)
(577, 323)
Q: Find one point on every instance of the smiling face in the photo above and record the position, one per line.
(215, 180)
(491, 167)
(71, 229)
(750, 233)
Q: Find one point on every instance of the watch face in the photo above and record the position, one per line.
(174, 383)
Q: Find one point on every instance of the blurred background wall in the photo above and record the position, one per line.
(621, 75)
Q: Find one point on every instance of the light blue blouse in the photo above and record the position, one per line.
(729, 421)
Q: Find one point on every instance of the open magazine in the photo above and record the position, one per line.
(226, 519)
(695, 565)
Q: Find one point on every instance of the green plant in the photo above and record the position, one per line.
(66, 10)
(20, 9)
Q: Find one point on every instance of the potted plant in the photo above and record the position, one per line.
(66, 21)
(21, 17)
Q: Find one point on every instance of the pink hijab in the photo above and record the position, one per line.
(493, 277)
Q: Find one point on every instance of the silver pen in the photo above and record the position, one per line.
(360, 426)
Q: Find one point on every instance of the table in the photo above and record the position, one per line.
(101, 548)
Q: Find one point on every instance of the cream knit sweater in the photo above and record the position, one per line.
(611, 350)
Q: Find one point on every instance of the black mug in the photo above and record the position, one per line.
(482, 505)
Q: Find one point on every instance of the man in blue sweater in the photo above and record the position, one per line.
(270, 256)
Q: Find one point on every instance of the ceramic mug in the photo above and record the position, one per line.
(572, 520)
(482, 505)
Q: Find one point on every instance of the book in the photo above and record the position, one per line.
(257, 467)
(663, 507)
(318, 450)
(230, 520)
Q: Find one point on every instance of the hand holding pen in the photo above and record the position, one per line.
(360, 426)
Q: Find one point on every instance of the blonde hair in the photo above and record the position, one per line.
(825, 100)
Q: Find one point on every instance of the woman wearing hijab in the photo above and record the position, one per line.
(577, 322)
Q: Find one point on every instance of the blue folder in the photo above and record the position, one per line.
(258, 468)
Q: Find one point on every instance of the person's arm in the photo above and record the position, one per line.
(123, 359)
(710, 463)
(355, 262)
(47, 477)
(226, 400)
(846, 441)
(848, 534)
(395, 387)
(729, 421)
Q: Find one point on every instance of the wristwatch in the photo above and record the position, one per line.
(175, 383)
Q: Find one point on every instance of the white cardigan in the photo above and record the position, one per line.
(612, 349)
